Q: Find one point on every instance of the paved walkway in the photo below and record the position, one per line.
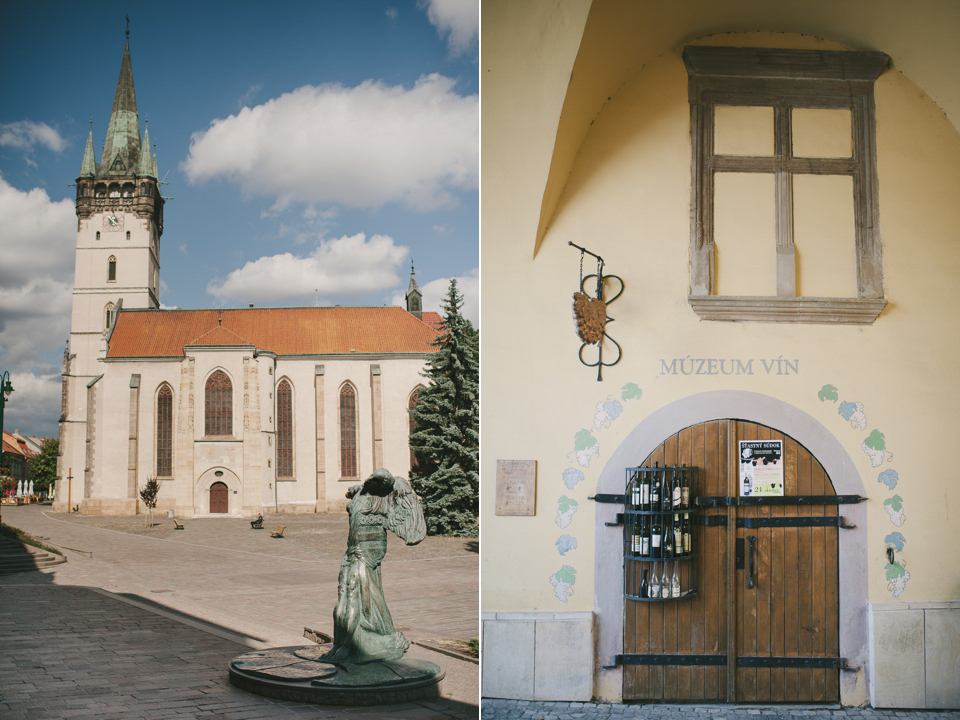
(515, 709)
(143, 627)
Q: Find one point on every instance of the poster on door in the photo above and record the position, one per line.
(761, 468)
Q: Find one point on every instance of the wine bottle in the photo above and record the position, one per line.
(645, 537)
(664, 583)
(675, 581)
(655, 492)
(636, 540)
(655, 537)
(687, 536)
(677, 535)
(668, 547)
(654, 585)
(684, 490)
(645, 491)
(677, 493)
(635, 491)
(644, 586)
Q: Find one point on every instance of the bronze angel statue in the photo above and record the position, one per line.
(362, 627)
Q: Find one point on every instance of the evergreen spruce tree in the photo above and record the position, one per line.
(445, 441)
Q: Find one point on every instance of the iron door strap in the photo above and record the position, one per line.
(608, 498)
(795, 521)
(623, 660)
(829, 663)
(780, 500)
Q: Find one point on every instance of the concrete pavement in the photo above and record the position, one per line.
(135, 625)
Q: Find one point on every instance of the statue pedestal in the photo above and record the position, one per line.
(297, 673)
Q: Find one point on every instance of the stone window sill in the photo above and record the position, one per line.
(812, 310)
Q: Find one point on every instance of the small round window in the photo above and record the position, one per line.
(219, 473)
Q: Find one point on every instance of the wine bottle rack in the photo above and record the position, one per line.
(660, 533)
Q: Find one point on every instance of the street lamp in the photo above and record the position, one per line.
(5, 389)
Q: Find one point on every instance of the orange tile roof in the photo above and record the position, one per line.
(433, 319)
(284, 331)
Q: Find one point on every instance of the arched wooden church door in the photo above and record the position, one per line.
(218, 498)
(773, 640)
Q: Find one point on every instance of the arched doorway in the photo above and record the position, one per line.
(219, 498)
(608, 570)
(762, 622)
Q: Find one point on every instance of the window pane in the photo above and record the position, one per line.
(348, 432)
(745, 233)
(165, 432)
(219, 405)
(284, 430)
(825, 236)
(822, 133)
(743, 130)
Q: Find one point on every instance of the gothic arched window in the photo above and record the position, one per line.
(348, 431)
(165, 431)
(109, 315)
(411, 422)
(112, 269)
(218, 405)
(284, 430)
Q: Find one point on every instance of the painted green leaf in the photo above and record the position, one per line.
(895, 503)
(828, 392)
(894, 571)
(876, 441)
(565, 503)
(583, 440)
(631, 391)
(567, 574)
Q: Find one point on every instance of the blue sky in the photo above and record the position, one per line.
(312, 151)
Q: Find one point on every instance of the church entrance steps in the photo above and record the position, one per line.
(15, 557)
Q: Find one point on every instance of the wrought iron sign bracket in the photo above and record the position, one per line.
(598, 296)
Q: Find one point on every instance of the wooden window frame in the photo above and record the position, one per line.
(349, 425)
(164, 432)
(285, 444)
(785, 79)
(218, 405)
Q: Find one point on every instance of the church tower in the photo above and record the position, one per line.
(414, 296)
(119, 223)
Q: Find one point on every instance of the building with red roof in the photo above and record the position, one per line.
(235, 411)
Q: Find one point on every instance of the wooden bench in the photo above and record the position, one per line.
(178, 525)
(278, 533)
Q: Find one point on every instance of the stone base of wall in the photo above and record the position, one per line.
(916, 653)
(332, 505)
(108, 506)
(292, 509)
(538, 656)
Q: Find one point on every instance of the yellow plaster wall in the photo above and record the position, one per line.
(628, 199)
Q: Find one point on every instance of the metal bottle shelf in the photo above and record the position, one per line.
(663, 562)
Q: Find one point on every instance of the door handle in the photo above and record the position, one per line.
(750, 541)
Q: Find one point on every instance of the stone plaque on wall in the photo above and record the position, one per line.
(516, 487)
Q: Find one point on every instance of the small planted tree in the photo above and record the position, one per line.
(43, 465)
(149, 493)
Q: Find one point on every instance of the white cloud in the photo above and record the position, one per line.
(361, 147)
(25, 134)
(435, 291)
(249, 95)
(34, 406)
(392, 13)
(459, 20)
(349, 267)
(36, 280)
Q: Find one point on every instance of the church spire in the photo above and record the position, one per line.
(121, 152)
(414, 296)
(146, 162)
(89, 166)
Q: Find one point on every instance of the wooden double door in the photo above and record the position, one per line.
(733, 642)
(219, 498)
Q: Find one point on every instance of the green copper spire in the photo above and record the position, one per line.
(146, 162)
(121, 152)
(89, 166)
